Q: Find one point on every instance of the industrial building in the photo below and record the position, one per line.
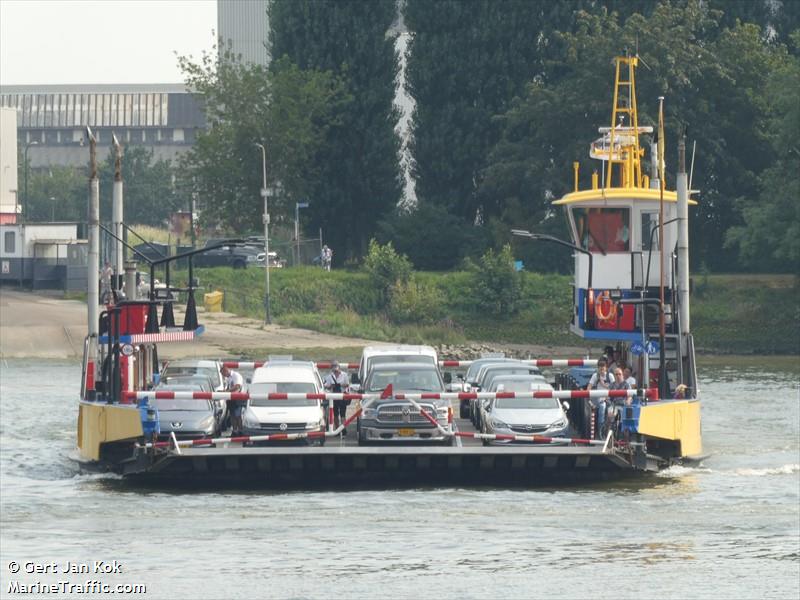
(51, 119)
(244, 25)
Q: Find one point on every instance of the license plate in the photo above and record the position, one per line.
(406, 432)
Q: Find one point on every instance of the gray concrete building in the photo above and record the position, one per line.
(245, 25)
(51, 119)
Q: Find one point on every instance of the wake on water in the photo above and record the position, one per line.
(681, 471)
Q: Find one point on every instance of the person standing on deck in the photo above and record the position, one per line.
(233, 383)
(337, 382)
(600, 380)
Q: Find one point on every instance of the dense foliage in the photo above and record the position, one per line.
(508, 94)
(149, 196)
(727, 311)
(502, 153)
(287, 110)
(358, 159)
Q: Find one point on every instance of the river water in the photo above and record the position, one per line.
(729, 528)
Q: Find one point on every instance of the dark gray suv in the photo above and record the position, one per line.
(393, 420)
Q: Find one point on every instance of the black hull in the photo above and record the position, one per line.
(303, 468)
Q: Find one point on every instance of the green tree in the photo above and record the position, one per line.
(713, 82)
(56, 193)
(386, 268)
(432, 238)
(498, 286)
(466, 61)
(286, 109)
(360, 178)
(148, 193)
(769, 237)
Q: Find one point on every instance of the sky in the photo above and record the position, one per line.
(101, 41)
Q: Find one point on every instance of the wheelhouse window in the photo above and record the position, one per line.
(649, 231)
(603, 229)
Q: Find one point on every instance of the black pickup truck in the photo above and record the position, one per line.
(236, 256)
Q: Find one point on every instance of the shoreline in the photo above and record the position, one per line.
(27, 318)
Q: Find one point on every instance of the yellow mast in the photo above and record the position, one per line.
(626, 137)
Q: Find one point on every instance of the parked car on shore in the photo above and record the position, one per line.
(236, 256)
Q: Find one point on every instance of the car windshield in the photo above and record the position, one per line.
(410, 380)
(401, 358)
(187, 370)
(185, 384)
(288, 387)
(187, 405)
(492, 373)
(523, 385)
(537, 403)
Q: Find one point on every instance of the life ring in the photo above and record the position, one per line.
(605, 308)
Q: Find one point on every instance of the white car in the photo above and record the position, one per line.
(264, 417)
(211, 368)
(400, 353)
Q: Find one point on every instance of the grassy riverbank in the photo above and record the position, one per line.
(731, 314)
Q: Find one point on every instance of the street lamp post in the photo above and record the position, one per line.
(267, 319)
(25, 205)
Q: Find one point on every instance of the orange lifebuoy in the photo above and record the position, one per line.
(605, 308)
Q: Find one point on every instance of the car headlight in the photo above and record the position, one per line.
(497, 424)
(369, 413)
(315, 424)
(207, 422)
(562, 422)
(441, 412)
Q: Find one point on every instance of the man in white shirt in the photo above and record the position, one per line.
(629, 377)
(337, 382)
(234, 383)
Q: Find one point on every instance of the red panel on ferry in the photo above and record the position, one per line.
(132, 318)
(624, 321)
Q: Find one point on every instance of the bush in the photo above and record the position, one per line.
(415, 302)
(498, 289)
(386, 267)
(432, 237)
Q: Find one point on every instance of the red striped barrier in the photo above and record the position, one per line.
(242, 364)
(651, 394)
(352, 366)
(536, 362)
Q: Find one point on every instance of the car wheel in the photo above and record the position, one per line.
(239, 264)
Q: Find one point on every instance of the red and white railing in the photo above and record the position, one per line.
(535, 362)
(243, 364)
(452, 364)
(367, 399)
(651, 394)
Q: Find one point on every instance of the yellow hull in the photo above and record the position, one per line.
(677, 420)
(102, 423)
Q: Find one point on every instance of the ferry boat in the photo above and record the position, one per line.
(629, 236)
